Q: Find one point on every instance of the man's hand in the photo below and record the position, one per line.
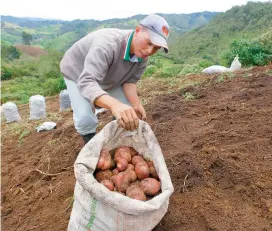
(125, 115)
(140, 111)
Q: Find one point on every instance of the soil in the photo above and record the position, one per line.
(217, 146)
(33, 51)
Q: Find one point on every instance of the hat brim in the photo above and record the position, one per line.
(158, 40)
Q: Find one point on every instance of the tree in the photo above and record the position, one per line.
(9, 52)
(27, 38)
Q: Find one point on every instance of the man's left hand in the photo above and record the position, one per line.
(140, 111)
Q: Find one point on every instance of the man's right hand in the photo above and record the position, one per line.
(125, 115)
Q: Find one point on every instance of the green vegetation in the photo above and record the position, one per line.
(29, 76)
(196, 41)
(250, 53)
(59, 35)
(211, 41)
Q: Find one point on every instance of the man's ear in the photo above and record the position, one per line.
(137, 30)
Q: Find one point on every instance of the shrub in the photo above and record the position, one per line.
(6, 73)
(205, 63)
(250, 52)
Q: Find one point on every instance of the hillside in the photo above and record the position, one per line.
(212, 40)
(59, 35)
(214, 131)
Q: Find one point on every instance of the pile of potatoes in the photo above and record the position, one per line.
(125, 171)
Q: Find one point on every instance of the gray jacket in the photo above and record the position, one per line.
(96, 63)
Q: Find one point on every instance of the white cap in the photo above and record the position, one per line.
(158, 30)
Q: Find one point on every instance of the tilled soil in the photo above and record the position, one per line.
(217, 146)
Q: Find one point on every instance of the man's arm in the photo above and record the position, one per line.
(130, 90)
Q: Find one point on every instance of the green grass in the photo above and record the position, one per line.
(61, 42)
(19, 90)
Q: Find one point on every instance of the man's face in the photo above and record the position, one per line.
(142, 46)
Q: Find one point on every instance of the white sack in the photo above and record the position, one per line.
(235, 65)
(37, 107)
(64, 100)
(11, 112)
(96, 208)
(215, 69)
(46, 126)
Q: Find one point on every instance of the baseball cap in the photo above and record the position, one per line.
(158, 30)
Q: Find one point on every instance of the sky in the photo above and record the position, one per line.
(107, 9)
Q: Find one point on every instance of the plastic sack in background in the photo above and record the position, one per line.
(235, 65)
(215, 69)
(46, 126)
(64, 100)
(37, 107)
(98, 209)
(11, 112)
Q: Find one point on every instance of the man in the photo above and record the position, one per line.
(102, 69)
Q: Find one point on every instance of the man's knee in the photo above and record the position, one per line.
(86, 124)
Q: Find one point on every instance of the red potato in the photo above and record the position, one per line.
(133, 186)
(132, 175)
(137, 183)
(133, 152)
(150, 186)
(105, 161)
(135, 192)
(150, 163)
(108, 184)
(115, 171)
(123, 152)
(152, 170)
(136, 159)
(142, 170)
(154, 173)
(122, 164)
(130, 166)
(103, 175)
(121, 181)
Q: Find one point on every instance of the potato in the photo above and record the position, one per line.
(132, 175)
(121, 181)
(115, 171)
(122, 164)
(137, 183)
(123, 152)
(105, 161)
(136, 159)
(130, 166)
(133, 186)
(133, 152)
(150, 163)
(108, 184)
(142, 170)
(103, 175)
(150, 186)
(152, 170)
(135, 193)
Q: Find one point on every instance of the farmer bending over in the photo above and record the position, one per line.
(102, 69)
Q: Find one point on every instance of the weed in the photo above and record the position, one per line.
(220, 78)
(23, 134)
(189, 96)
